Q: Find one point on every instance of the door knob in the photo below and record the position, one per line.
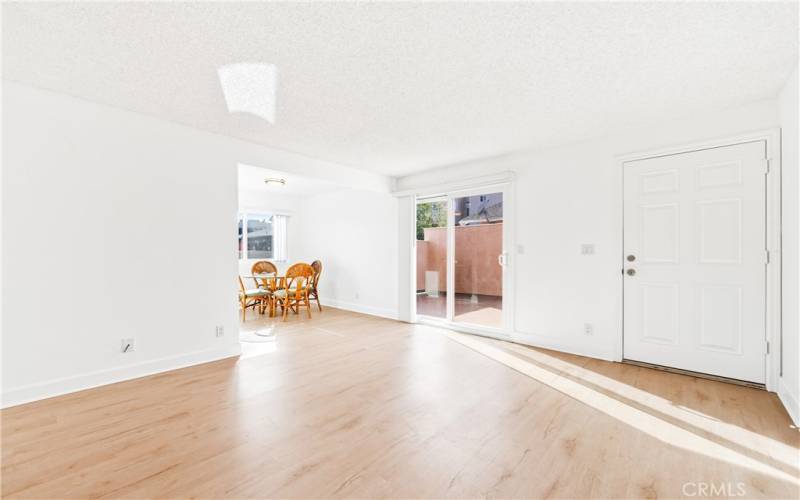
(631, 258)
(630, 272)
(502, 259)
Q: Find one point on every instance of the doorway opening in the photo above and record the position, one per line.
(283, 263)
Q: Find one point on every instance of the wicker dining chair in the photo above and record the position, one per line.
(313, 287)
(263, 267)
(252, 298)
(295, 294)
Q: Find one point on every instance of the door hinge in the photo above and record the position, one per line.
(766, 346)
(766, 257)
(766, 165)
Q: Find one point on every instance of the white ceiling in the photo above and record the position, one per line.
(252, 179)
(396, 88)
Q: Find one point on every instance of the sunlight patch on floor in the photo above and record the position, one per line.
(764, 445)
(658, 428)
(488, 316)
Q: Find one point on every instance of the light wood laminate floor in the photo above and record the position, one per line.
(346, 405)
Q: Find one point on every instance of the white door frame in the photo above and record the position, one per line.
(773, 196)
(496, 185)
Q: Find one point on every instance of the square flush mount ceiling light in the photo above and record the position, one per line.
(250, 88)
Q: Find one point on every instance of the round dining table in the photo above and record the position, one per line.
(268, 281)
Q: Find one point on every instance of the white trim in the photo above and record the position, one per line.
(758, 135)
(450, 253)
(789, 402)
(510, 251)
(773, 287)
(528, 339)
(412, 271)
(360, 308)
(774, 324)
(505, 177)
(548, 342)
(66, 385)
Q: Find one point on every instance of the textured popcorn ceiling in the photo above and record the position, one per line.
(397, 88)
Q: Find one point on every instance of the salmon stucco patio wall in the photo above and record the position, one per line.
(477, 250)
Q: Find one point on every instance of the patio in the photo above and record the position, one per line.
(485, 310)
(478, 276)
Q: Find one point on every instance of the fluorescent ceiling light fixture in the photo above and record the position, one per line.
(250, 88)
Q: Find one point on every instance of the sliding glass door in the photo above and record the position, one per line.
(478, 259)
(461, 259)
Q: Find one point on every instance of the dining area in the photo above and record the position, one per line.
(267, 291)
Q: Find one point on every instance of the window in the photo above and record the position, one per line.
(259, 237)
(262, 236)
(241, 237)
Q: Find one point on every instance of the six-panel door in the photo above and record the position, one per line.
(694, 261)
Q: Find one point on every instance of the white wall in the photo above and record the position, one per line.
(274, 203)
(571, 195)
(270, 202)
(354, 234)
(789, 388)
(116, 224)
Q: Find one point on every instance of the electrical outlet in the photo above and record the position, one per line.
(587, 249)
(220, 331)
(520, 249)
(128, 345)
(588, 329)
(356, 297)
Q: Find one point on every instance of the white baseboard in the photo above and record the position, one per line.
(545, 342)
(528, 339)
(789, 401)
(360, 308)
(66, 385)
(541, 341)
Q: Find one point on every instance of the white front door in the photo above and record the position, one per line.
(694, 261)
